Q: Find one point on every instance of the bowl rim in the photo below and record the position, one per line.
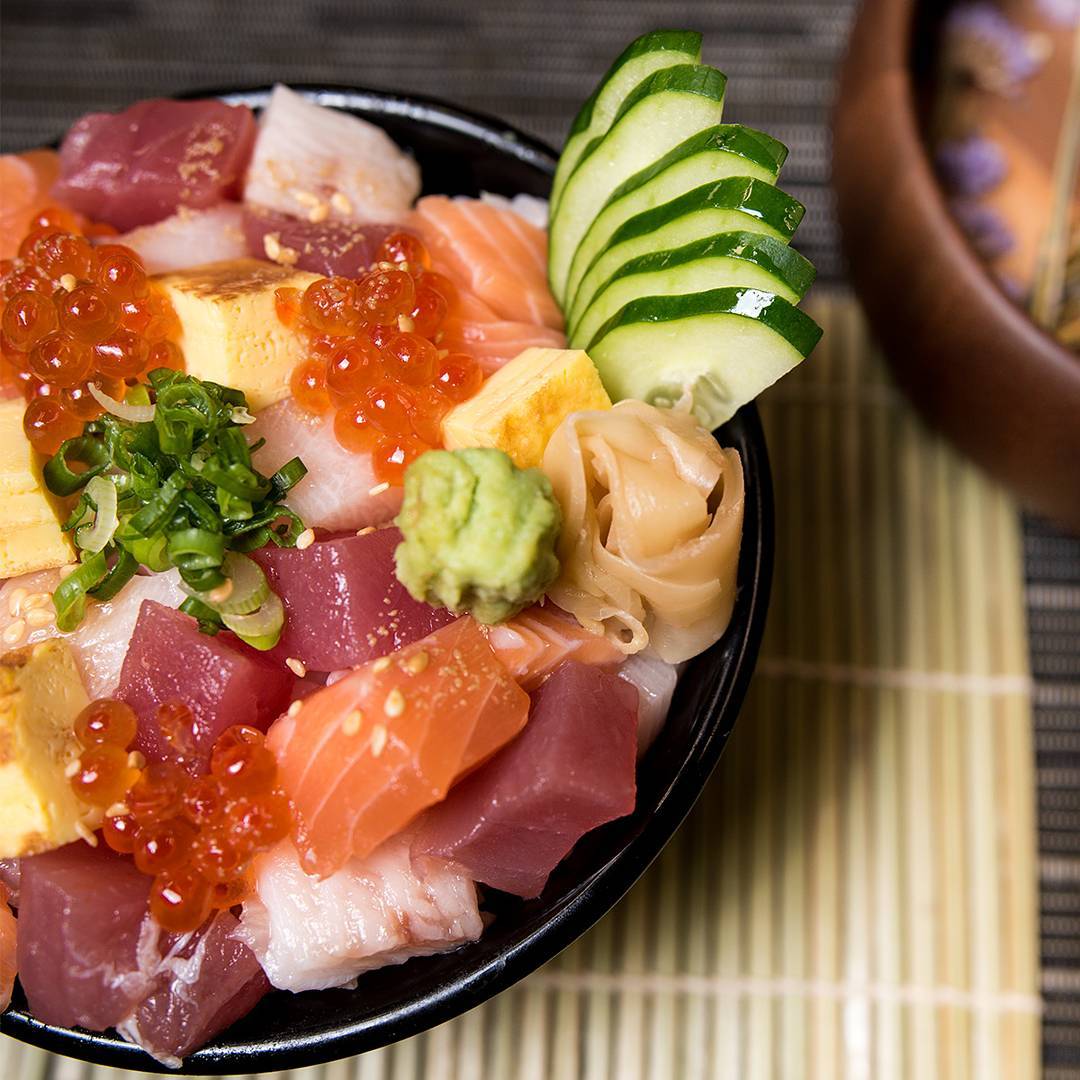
(590, 899)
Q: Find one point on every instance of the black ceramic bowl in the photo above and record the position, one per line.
(461, 153)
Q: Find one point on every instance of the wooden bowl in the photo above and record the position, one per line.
(975, 365)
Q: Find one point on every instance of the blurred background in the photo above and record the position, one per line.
(795, 896)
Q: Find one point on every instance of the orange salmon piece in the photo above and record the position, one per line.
(494, 252)
(361, 758)
(537, 640)
(25, 183)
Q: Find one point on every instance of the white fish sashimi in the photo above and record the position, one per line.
(655, 680)
(100, 641)
(189, 238)
(313, 160)
(337, 491)
(312, 935)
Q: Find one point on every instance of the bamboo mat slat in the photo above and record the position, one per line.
(854, 898)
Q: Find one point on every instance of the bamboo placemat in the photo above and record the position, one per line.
(854, 898)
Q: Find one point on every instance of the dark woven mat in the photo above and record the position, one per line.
(532, 63)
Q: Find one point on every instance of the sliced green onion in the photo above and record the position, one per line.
(126, 410)
(247, 590)
(61, 479)
(121, 572)
(209, 620)
(288, 476)
(69, 599)
(160, 508)
(101, 494)
(262, 628)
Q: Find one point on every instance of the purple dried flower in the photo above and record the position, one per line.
(1061, 12)
(971, 165)
(985, 44)
(985, 228)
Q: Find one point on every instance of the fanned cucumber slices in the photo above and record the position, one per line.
(668, 244)
(660, 49)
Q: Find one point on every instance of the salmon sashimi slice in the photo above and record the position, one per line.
(8, 961)
(361, 758)
(537, 640)
(25, 183)
(493, 251)
(493, 344)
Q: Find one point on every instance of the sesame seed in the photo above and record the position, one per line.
(67, 571)
(72, 767)
(82, 829)
(381, 665)
(118, 809)
(38, 618)
(366, 531)
(339, 201)
(136, 760)
(35, 600)
(318, 213)
(294, 708)
(305, 198)
(15, 600)
(272, 246)
(394, 705)
(68, 282)
(416, 663)
(351, 724)
(221, 593)
(14, 632)
(305, 539)
(297, 667)
(406, 324)
(378, 489)
(378, 740)
(384, 265)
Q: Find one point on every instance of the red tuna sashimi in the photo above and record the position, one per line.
(493, 251)
(385, 909)
(361, 758)
(337, 491)
(189, 238)
(141, 165)
(343, 601)
(325, 247)
(512, 821)
(311, 157)
(8, 950)
(201, 984)
(81, 911)
(223, 684)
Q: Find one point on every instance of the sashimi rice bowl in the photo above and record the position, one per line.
(362, 519)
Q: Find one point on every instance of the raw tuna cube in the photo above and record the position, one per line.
(223, 684)
(309, 157)
(325, 247)
(343, 603)
(384, 909)
(337, 491)
(203, 983)
(140, 165)
(512, 821)
(80, 914)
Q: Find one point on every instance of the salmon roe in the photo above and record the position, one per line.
(374, 363)
(195, 836)
(76, 315)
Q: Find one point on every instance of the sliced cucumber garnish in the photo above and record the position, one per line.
(649, 53)
(735, 259)
(710, 155)
(661, 112)
(736, 204)
(724, 346)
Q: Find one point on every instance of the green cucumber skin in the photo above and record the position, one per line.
(653, 348)
(765, 254)
(680, 46)
(567, 229)
(709, 156)
(795, 326)
(755, 198)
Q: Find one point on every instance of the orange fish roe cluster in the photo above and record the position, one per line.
(374, 360)
(195, 836)
(76, 315)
